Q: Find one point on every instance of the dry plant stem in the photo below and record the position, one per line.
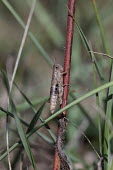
(58, 162)
(14, 73)
(22, 42)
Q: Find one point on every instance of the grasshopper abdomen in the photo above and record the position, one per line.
(56, 91)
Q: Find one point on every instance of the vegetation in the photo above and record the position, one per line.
(32, 38)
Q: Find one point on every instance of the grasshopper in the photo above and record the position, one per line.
(56, 91)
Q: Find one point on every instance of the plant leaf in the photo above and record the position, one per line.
(86, 44)
(22, 135)
(5, 80)
(25, 97)
(35, 118)
(25, 106)
(31, 105)
(93, 92)
(46, 138)
(32, 37)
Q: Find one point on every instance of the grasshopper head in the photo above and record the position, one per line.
(58, 67)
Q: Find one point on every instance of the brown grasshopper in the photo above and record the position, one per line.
(56, 91)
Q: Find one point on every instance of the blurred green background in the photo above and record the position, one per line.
(33, 76)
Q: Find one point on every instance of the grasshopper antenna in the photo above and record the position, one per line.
(54, 60)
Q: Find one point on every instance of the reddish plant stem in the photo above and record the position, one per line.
(68, 51)
(66, 78)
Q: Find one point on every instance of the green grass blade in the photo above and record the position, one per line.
(111, 164)
(109, 106)
(27, 125)
(106, 149)
(102, 32)
(25, 106)
(10, 150)
(93, 92)
(35, 118)
(32, 37)
(84, 111)
(7, 86)
(5, 80)
(41, 49)
(83, 37)
(22, 135)
(45, 19)
(98, 114)
(86, 44)
(31, 105)
(25, 97)
(46, 138)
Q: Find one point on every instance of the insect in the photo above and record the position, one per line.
(56, 91)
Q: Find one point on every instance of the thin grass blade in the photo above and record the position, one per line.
(25, 106)
(35, 118)
(101, 28)
(26, 98)
(22, 135)
(86, 44)
(32, 37)
(46, 138)
(43, 16)
(93, 92)
(5, 80)
(31, 105)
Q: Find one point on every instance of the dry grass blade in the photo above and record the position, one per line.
(30, 34)
(23, 42)
(14, 72)
(85, 137)
(6, 84)
(106, 55)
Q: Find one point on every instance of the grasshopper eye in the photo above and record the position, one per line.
(57, 67)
